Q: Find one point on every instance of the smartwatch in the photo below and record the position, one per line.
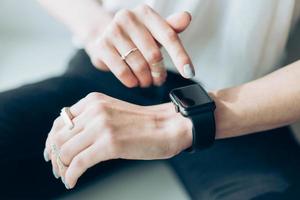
(193, 102)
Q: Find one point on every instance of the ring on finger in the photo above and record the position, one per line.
(155, 74)
(159, 65)
(157, 69)
(60, 164)
(55, 151)
(67, 117)
(124, 56)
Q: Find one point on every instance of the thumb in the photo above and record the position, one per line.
(179, 21)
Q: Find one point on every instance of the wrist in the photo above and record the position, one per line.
(226, 113)
(185, 132)
(177, 128)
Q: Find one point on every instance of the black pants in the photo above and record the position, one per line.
(261, 166)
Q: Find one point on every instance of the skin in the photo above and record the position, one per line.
(141, 28)
(263, 104)
(107, 128)
(117, 129)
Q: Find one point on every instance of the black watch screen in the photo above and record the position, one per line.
(193, 102)
(192, 99)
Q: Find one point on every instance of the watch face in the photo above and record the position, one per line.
(191, 96)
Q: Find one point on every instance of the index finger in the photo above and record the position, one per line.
(168, 38)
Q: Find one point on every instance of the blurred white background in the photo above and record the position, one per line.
(33, 46)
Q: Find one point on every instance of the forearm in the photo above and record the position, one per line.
(263, 104)
(85, 18)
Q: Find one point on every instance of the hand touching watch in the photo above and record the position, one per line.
(106, 128)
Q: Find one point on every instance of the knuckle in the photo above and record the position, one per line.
(116, 30)
(65, 155)
(102, 43)
(95, 96)
(155, 56)
(100, 108)
(143, 73)
(123, 73)
(142, 67)
(182, 58)
(97, 62)
(123, 16)
(56, 123)
(102, 121)
(79, 162)
(171, 35)
(144, 8)
(126, 77)
(57, 140)
(99, 42)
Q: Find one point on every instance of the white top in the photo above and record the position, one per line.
(232, 41)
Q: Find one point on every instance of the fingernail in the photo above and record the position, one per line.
(46, 155)
(55, 174)
(188, 71)
(67, 186)
(64, 182)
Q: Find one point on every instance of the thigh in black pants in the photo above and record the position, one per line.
(222, 172)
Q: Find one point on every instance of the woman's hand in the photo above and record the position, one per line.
(143, 31)
(106, 128)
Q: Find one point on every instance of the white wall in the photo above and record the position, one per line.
(33, 45)
(28, 18)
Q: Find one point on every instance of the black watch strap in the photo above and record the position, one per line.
(204, 130)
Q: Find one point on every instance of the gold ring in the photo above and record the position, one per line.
(158, 66)
(124, 56)
(157, 69)
(155, 74)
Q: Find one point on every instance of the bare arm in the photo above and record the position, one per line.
(266, 103)
(116, 129)
(262, 104)
(85, 18)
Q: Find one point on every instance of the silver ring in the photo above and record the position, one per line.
(60, 164)
(124, 56)
(54, 149)
(67, 117)
(56, 152)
